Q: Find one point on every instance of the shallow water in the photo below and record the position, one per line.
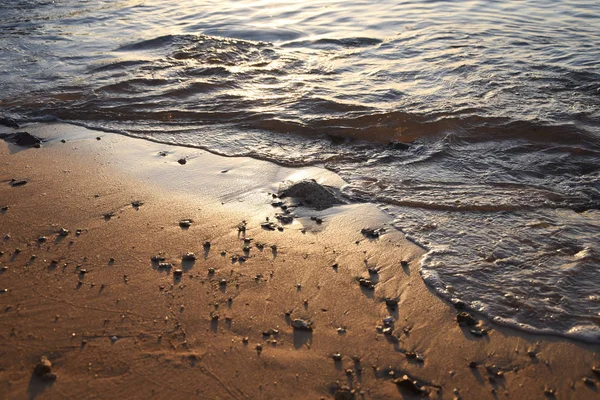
(499, 102)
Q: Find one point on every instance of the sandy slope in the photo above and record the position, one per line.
(129, 329)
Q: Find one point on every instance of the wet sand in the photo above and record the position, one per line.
(115, 324)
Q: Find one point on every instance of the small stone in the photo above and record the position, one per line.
(464, 318)
(336, 356)
(301, 325)
(178, 272)
(182, 161)
(596, 371)
(206, 245)
(157, 258)
(404, 264)
(341, 330)
(114, 338)
(188, 257)
(259, 347)
(185, 223)
(366, 283)
(478, 332)
(473, 364)
(372, 233)
(549, 392)
(98, 138)
(245, 340)
(589, 382)
(43, 367)
(407, 383)
(391, 303)
(531, 353)
(223, 282)
(164, 265)
(63, 232)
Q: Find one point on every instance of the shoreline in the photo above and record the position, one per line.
(168, 342)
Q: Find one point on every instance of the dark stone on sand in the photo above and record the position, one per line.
(206, 245)
(301, 325)
(164, 265)
(366, 283)
(398, 145)
(11, 123)
(178, 272)
(185, 223)
(268, 226)
(63, 232)
(404, 264)
(588, 382)
(137, 203)
(182, 161)
(372, 233)
(464, 318)
(596, 371)
(24, 139)
(473, 364)
(285, 219)
(44, 367)
(478, 332)
(410, 384)
(391, 303)
(18, 182)
(188, 257)
(157, 258)
(313, 194)
(98, 138)
(4, 208)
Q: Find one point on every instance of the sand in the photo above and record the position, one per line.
(113, 324)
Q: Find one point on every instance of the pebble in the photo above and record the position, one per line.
(301, 325)
(63, 232)
(189, 257)
(336, 356)
(178, 272)
(165, 265)
(44, 369)
(464, 318)
(18, 182)
(366, 283)
(185, 223)
(182, 161)
(589, 382)
(407, 383)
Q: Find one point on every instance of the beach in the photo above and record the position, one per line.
(328, 305)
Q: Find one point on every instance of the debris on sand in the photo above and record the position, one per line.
(189, 257)
(301, 325)
(372, 233)
(44, 369)
(182, 161)
(21, 138)
(366, 283)
(464, 318)
(310, 192)
(18, 182)
(410, 384)
(63, 232)
(185, 223)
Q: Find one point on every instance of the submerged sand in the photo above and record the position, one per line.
(114, 324)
